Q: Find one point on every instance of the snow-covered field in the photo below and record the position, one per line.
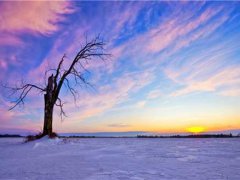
(120, 158)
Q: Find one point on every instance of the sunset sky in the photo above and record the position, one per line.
(174, 65)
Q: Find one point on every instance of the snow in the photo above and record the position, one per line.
(120, 159)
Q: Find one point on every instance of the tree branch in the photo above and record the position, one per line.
(92, 49)
(62, 113)
(24, 90)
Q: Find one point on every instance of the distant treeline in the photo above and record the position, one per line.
(139, 136)
(190, 136)
(10, 135)
(158, 136)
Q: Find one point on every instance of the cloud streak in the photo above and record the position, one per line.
(34, 17)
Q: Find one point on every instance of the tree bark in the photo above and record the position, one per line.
(48, 107)
(48, 116)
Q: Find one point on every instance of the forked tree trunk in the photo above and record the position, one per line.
(48, 108)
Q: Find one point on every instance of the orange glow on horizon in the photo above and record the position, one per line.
(196, 129)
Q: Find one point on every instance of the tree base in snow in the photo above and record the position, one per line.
(39, 136)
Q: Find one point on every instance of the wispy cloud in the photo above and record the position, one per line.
(154, 94)
(140, 104)
(9, 40)
(174, 28)
(109, 95)
(118, 125)
(228, 79)
(29, 20)
(33, 17)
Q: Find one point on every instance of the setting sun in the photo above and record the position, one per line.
(196, 129)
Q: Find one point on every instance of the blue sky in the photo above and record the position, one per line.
(174, 65)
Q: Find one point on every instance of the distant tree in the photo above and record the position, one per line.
(59, 77)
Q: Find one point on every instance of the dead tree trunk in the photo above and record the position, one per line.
(48, 107)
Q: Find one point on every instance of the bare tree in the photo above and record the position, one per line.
(59, 77)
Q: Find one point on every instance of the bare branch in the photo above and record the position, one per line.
(60, 105)
(58, 72)
(71, 89)
(91, 49)
(24, 90)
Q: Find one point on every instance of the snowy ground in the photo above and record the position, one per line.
(120, 158)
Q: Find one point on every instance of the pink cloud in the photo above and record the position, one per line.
(33, 16)
(233, 91)
(70, 41)
(140, 104)
(5, 115)
(201, 33)
(9, 39)
(168, 32)
(20, 116)
(227, 78)
(3, 64)
(154, 94)
(176, 31)
(173, 30)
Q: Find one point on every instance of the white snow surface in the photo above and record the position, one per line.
(120, 159)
